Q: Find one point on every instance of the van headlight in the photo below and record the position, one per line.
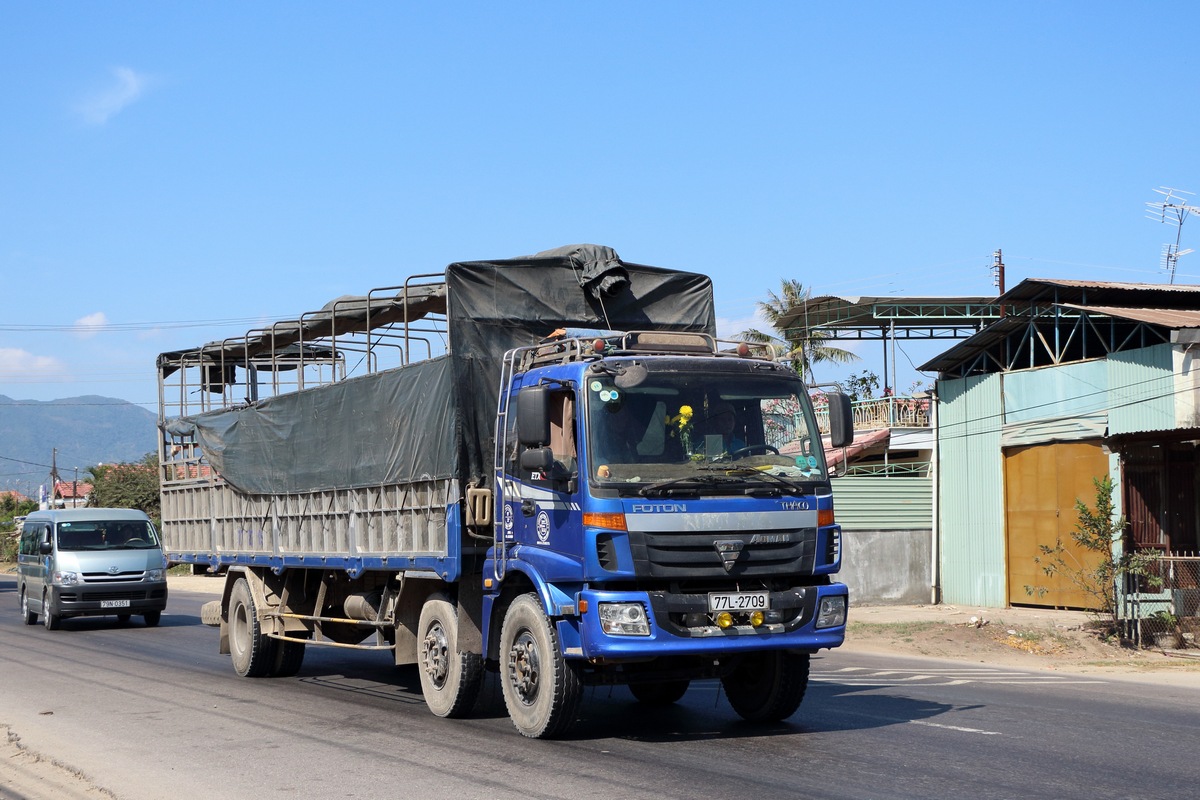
(832, 611)
(154, 575)
(64, 578)
(624, 619)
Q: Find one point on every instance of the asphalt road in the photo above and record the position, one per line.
(156, 712)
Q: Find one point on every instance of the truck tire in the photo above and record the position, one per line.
(450, 680)
(27, 614)
(659, 693)
(49, 618)
(289, 656)
(253, 653)
(151, 618)
(767, 687)
(541, 688)
(210, 613)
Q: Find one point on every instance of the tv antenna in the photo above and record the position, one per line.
(1172, 208)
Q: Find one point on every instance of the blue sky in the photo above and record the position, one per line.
(174, 173)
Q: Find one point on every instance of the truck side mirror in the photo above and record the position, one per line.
(841, 419)
(45, 548)
(533, 416)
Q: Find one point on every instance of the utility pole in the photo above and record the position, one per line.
(998, 280)
(53, 475)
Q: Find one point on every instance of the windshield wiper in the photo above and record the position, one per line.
(669, 486)
(781, 483)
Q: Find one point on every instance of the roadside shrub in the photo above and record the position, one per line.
(1097, 531)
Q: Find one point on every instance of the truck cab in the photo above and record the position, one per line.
(669, 504)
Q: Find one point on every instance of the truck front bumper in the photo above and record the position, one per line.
(681, 624)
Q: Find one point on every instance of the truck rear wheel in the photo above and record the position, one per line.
(767, 687)
(253, 653)
(289, 657)
(450, 680)
(659, 693)
(541, 688)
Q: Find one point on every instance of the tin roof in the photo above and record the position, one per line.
(1168, 306)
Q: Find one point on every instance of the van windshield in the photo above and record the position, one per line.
(106, 535)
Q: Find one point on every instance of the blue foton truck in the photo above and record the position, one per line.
(545, 466)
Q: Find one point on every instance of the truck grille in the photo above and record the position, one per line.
(696, 555)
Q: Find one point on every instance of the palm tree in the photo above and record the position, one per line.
(805, 346)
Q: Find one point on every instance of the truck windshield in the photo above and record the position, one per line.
(106, 535)
(687, 433)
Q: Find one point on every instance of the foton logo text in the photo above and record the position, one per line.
(658, 508)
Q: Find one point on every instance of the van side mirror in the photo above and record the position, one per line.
(533, 416)
(45, 548)
(841, 419)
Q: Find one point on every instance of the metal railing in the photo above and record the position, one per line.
(1162, 608)
(878, 413)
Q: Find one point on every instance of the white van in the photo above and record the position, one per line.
(89, 562)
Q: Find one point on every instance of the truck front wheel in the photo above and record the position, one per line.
(450, 680)
(541, 688)
(253, 652)
(767, 687)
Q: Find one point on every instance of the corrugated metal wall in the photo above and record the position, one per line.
(879, 503)
(972, 492)
(1141, 390)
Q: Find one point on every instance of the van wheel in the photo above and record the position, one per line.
(123, 618)
(29, 615)
(151, 618)
(450, 680)
(49, 618)
(541, 688)
(253, 653)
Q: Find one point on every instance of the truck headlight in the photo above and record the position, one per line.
(154, 575)
(623, 619)
(832, 612)
(63, 578)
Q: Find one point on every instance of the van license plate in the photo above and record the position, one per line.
(738, 601)
(114, 604)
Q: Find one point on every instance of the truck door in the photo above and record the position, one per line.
(542, 503)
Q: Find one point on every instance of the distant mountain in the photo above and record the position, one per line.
(86, 430)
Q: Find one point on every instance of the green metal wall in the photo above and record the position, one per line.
(883, 503)
(971, 470)
(1141, 390)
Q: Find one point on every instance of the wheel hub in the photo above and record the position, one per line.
(524, 668)
(435, 655)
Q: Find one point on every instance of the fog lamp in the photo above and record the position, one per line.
(756, 618)
(724, 620)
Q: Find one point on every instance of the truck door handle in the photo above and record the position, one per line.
(528, 508)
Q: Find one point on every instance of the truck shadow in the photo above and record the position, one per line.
(704, 713)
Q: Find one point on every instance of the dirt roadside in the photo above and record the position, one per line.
(1028, 638)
